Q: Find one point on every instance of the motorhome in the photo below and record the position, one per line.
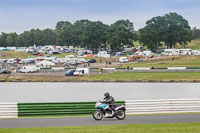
(28, 69)
(81, 71)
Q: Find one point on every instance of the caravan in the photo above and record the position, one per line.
(171, 52)
(185, 51)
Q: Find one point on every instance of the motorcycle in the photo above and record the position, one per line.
(102, 109)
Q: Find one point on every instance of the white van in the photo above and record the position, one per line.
(28, 69)
(123, 59)
(81, 71)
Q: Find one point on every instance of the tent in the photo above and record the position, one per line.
(45, 64)
(89, 55)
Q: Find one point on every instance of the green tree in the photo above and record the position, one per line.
(48, 37)
(94, 35)
(121, 33)
(64, 33)
(83, 33)
(170, 29)
(195, 33)
(3, 38)
(178, 30)
(79, 32)
(37, 37)
(29, 38)
(11, 39)
(61, 25)
(152, 34)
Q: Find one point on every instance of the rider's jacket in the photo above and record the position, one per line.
(109, 100)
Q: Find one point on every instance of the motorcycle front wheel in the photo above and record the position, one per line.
(120, 114)
(97, 115)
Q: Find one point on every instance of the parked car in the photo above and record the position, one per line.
(5, 71)
(56, 52)
(123, 60)
(92, 61)
(17, 60)
(70, 72)
(35, 53)
(122, 54)
(118, 54)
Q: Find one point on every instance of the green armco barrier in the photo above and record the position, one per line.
(121, 68)
(57, 109)
(161, 68)
(94, 68)
(45, 68)
(192, 67)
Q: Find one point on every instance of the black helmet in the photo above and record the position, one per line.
(106, 94)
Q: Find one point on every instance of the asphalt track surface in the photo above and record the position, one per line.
(89, 121)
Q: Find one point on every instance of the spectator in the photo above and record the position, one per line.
(128, 67)
(173, 58)
(107, 62)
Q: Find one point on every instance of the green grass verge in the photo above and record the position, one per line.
(145, 76)
(163, 62)
(139, 128)
(113, 77)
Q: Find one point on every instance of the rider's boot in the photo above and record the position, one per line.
(107, 115)
(112, 113)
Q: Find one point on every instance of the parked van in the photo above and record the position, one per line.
(81, 71)
(28, 69)
(123, 60)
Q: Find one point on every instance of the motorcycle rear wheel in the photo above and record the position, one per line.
(120, 114)
(97, 115)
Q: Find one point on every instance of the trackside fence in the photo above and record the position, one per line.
(162, 106)
(8, 110)
(156, 106)
(57, 109)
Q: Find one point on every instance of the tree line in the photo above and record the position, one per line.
(169, 30)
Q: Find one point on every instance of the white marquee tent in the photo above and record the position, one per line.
(45, 64)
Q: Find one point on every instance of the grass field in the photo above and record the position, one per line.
(139, 128)
(23, 55)
(163, 62)
(113, 77)
(14, 54)
(194, 44)
(146, 76)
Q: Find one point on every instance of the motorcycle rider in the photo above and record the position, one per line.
(108, 99)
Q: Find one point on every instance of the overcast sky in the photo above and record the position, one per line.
(21, 15)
